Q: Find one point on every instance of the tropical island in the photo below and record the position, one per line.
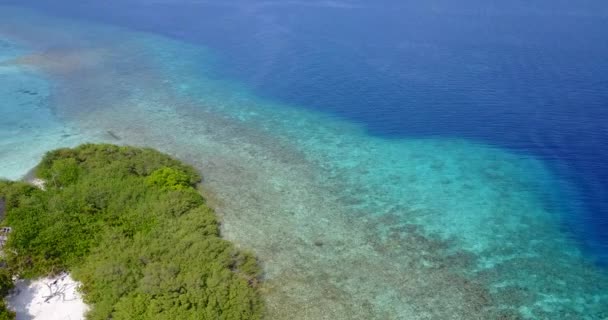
(129, 224)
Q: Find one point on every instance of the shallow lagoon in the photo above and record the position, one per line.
(347, 225)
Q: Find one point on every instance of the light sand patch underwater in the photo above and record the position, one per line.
(347, 226)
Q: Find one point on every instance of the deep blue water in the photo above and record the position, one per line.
(528, 76)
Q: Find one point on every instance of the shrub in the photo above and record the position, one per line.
(6, 283)
(169, 179)
(129, 224)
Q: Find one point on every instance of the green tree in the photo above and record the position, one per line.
(6, 283)
(130, 225)
(169, 178)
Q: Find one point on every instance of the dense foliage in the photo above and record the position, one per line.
(6, 283)
(129, 224)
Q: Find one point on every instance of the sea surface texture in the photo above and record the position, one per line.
(384, 160)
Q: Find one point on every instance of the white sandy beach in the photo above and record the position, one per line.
(38, 183)
(55, 298)
(50, 298)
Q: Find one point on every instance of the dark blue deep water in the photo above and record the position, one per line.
(531, 76)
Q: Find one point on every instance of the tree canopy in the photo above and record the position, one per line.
(129, 224)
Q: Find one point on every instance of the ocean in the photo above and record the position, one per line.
(385, 160)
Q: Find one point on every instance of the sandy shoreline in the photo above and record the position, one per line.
(51, 298)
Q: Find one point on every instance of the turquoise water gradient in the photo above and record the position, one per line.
(347, 226)
(27, 124)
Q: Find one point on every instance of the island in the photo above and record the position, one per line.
(129, 225)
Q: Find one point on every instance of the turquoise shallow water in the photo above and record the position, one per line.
(27, 125)
(348, 226)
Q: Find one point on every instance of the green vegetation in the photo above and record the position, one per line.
(130, 225)
(6, 283)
